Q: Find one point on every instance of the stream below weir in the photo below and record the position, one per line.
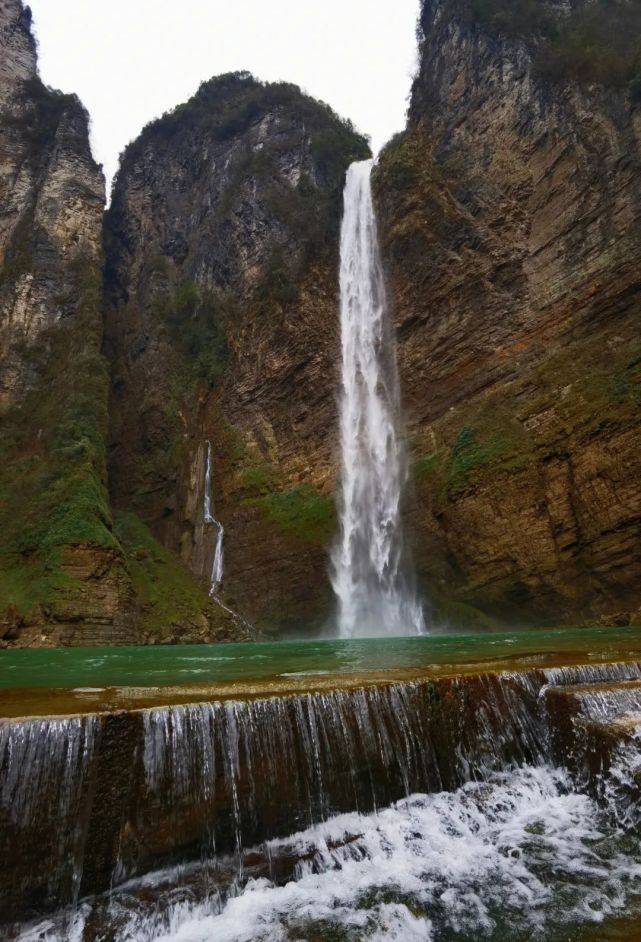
(436, 788)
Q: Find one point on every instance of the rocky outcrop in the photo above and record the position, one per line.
(222, 245)
(67, 573)
(59, 566)
(510, 222)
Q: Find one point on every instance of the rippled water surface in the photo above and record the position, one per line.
(183, 664)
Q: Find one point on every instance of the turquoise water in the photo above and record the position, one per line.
(184, 664)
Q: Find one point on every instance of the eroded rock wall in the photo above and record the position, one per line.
(222, 248)
(510, 222)
(60, 569)
(69, 572)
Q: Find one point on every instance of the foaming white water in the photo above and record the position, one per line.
(217, 565)
(369, 570)
(519, 856)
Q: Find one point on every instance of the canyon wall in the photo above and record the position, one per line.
(59, 563)
(203, 308)
(509, 214)
(221, 327)
(70, 573)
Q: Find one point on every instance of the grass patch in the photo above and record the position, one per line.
(300, 512)
(168, 594)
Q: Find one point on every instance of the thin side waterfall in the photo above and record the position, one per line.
(217, 565)
(370, 573)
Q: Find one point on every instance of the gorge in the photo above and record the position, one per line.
(508, 220)
(374, 424)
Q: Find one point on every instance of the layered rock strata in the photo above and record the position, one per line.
(222, 244)
(510, 223)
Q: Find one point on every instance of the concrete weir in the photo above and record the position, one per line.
(90, 800)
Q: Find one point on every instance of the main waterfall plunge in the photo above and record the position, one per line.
(370, 572)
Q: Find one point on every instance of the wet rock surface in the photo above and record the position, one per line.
(509, 213)
(187, 780)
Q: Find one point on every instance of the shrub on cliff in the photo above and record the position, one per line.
(597, 41)
(196, 320)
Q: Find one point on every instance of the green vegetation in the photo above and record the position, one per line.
(227, 105)
(596, 41)
(450, 470)
(476, 447)
(309, 210)
(279, 283)
(416, 209)
(167, 593)
(197, 320)
(40, 119)
(52, 454)
(256, 480)
(469, 453)
(300, 512)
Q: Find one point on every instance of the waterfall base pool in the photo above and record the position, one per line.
(36, 682)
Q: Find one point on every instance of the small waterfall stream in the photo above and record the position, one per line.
(370, 572)
(217, 565)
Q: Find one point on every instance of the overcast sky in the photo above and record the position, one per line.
(131, 60)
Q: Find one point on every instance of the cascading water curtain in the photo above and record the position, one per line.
(370, 572)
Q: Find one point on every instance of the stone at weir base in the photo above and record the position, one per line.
(165, 785)
(596, 728)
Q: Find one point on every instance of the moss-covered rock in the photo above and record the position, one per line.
(221, 278)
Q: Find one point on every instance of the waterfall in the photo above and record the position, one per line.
(217, 565)
(370, 571)
(442, 793)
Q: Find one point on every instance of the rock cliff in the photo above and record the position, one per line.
(69, 573)
(59, 562)
(222, 250)
(203, 309)
(510, 223)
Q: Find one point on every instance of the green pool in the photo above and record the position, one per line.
(164, 666)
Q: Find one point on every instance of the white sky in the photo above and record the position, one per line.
(131, 60)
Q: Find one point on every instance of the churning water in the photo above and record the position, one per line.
(519, 856)
(490, 841)
(370, 574)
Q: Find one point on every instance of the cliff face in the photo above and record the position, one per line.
(59, 565)
(205, 311)
(222, 245)
(510, 224)
(69, 574)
